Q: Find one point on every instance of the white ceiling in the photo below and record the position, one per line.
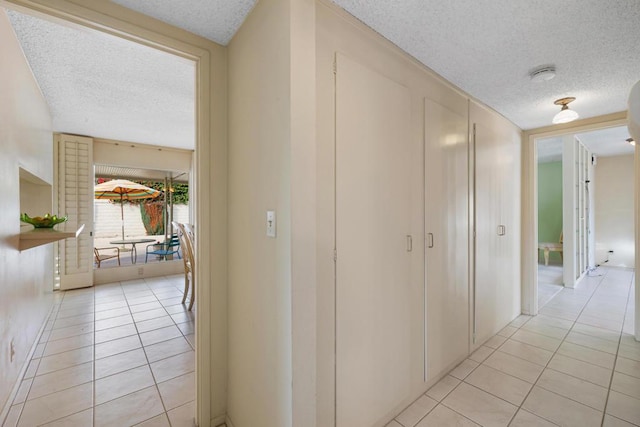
(216, 20)
(106, 87)
(603, 143)
(486, 48)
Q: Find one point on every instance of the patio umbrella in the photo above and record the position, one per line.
(122, 189)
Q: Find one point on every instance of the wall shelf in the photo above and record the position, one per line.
(42, 236)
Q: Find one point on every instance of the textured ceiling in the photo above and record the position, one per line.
(103, 86)
(488, 48)
(216, 20)
(603, 143)
(607, 142)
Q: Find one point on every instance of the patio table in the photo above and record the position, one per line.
(133, 243)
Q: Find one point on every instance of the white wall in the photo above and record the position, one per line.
(614, 215)
(26, 140)
(259, 301)
(108, 223)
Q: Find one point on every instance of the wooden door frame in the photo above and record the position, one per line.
(530, 197)
(210, 187)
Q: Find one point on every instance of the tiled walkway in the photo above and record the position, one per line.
(113, 355)
(575, 364)
(549, 283)
(123, 354)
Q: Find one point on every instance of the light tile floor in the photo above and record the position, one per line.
(575, 364)
(120, 354)
(549, 283)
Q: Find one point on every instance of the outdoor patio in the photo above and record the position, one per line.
(125, 227)
(125, 253)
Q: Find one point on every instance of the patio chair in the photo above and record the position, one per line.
(186, 245)
(164, 249)
(104, 256)
(547, 247)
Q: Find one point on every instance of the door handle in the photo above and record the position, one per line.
(429, 240)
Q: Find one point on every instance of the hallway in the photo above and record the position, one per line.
(575, 364)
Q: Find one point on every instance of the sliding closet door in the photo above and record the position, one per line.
(488, 197)
(373, 228)
(446, 225)
(496, 302)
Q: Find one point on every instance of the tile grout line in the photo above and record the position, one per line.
(53, 318)
(166, 413)
(556, 352)
(441, 401)
(155, 382)
(34, 377)
(93, 383)
(615, 360)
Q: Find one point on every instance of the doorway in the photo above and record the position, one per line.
(550, 236)
(210, 146)
(600, 138)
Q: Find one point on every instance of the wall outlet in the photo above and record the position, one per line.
(12, 351)
(140, 271)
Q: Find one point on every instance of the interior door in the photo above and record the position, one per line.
(373, 228)
(446, 225)
(74, 181)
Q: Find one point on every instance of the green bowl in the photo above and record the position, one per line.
(47, 221)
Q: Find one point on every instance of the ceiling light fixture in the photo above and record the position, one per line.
(543, 74)
(631, 141)
(565, 115)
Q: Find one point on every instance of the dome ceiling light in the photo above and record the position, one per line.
(565, 115)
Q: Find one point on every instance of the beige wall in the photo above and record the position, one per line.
(614, 226)
(26, 278)
(259, 302)
(272, 166)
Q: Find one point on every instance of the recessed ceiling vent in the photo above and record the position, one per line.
(543, 74)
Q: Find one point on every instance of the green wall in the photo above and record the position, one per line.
(550, 204)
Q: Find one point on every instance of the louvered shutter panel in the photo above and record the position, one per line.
(75, 199)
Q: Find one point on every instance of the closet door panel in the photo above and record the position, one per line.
(373, 268)
(488, 257)
(510, 214)
(497, 223)
(446, 225)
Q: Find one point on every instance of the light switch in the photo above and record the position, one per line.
(271, 223)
